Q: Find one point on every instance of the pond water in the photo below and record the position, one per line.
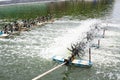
(30, 54)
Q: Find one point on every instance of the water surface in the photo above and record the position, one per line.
(29, 54)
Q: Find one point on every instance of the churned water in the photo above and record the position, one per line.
(30, 54)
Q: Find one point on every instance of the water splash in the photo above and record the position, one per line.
(71, 35)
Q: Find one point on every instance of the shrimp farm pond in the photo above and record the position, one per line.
(33, 33)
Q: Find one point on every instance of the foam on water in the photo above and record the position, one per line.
(108, 53)
(72, 35)
(54, 39)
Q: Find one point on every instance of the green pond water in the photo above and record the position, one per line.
(58, 9)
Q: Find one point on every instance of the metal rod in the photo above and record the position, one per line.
(103, 33)
(98, 43)
(47, 72)
(89, 54)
